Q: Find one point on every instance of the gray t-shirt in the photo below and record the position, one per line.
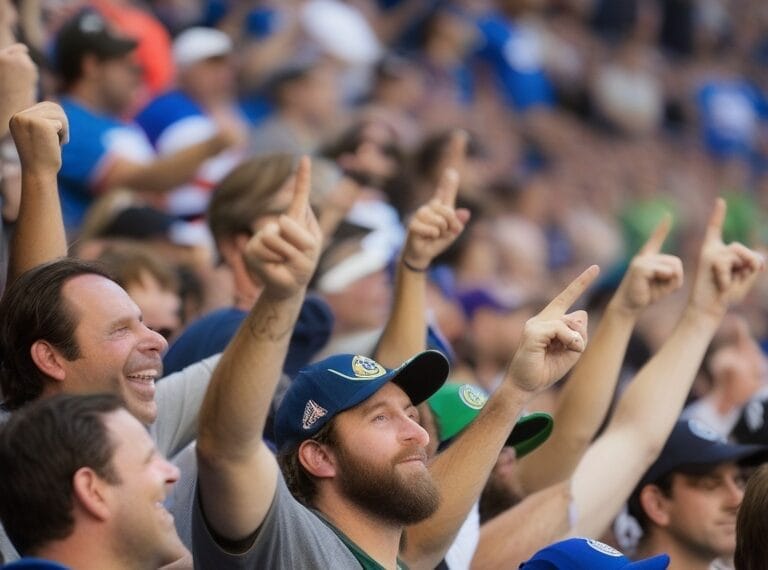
(291, 537)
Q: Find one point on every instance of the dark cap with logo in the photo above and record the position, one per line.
(324, 389)
(87, 33)
(694, 448)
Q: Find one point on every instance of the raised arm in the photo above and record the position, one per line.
(433, 228)
(551, 344)
(237, 471)
(652, 403)
(18, 82)
(165, 173)
(517, 533)
(39, 237)
(588, 392)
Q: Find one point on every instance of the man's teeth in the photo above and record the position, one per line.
(148, 374)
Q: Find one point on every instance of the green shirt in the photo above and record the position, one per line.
(366, 562)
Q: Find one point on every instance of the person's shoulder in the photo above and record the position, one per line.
(206, 336)
(81, 116)
(166, 110)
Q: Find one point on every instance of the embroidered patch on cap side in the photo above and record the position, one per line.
(312, 412)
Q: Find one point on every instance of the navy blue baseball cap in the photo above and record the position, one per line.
(694, 448)
(324, 389)
(588, 554)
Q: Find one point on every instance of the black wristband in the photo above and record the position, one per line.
(414, 268)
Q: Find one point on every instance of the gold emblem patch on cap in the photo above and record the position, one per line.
(472, 397)
(364, 367)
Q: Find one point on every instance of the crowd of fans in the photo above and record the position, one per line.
(305, 276)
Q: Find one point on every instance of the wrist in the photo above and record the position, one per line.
(702, 319)
(619, 309)
(414, 267)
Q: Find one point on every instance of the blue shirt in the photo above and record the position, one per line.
(95, 140)
(33, 564)
(731, 112)
(211, 334)
(515, 59)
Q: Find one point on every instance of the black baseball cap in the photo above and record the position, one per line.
(87, 32)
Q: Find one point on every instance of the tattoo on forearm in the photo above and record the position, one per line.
(272, 326)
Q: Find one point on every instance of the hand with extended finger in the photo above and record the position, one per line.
(284, 254)
(552, 341)
(435, 225)
(725, 273)
(454, 154)
(38, 133)
(651, 274)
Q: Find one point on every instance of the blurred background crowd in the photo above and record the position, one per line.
(582, 122)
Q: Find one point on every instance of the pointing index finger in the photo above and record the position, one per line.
(659, 234)
(560, 304)
(300, 201)
(448, 187)
(715, 225)
(457, 149)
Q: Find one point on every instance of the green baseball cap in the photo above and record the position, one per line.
(455, 406)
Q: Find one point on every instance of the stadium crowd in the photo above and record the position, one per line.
(383, 284)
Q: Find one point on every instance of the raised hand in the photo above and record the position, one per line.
(725, 273)
(18, 82)
(284, 254)
(38, 133)
(455, 153)
(553, 340)
(651, 274)
(436, 225)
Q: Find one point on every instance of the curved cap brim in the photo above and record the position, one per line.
(530, 432)
(422, 375)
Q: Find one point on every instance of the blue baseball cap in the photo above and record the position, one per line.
(588, 554)
(324, 389)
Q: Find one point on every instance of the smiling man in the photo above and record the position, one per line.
(67, 327)
(82, 485)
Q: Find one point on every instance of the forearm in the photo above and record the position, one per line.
(235, 408)
(39, 235)
(405, 332)
(461, 472)
(584, 402)
(660, 388)
(166, 172)
(516, 534)
(658, 392)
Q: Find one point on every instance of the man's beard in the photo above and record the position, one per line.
(384, 492)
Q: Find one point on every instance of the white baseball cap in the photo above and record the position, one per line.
(198, 44)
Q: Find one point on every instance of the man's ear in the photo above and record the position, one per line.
(232, 250)
(655, 504)
(90, 493)
(317, 459)
(48, 359)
